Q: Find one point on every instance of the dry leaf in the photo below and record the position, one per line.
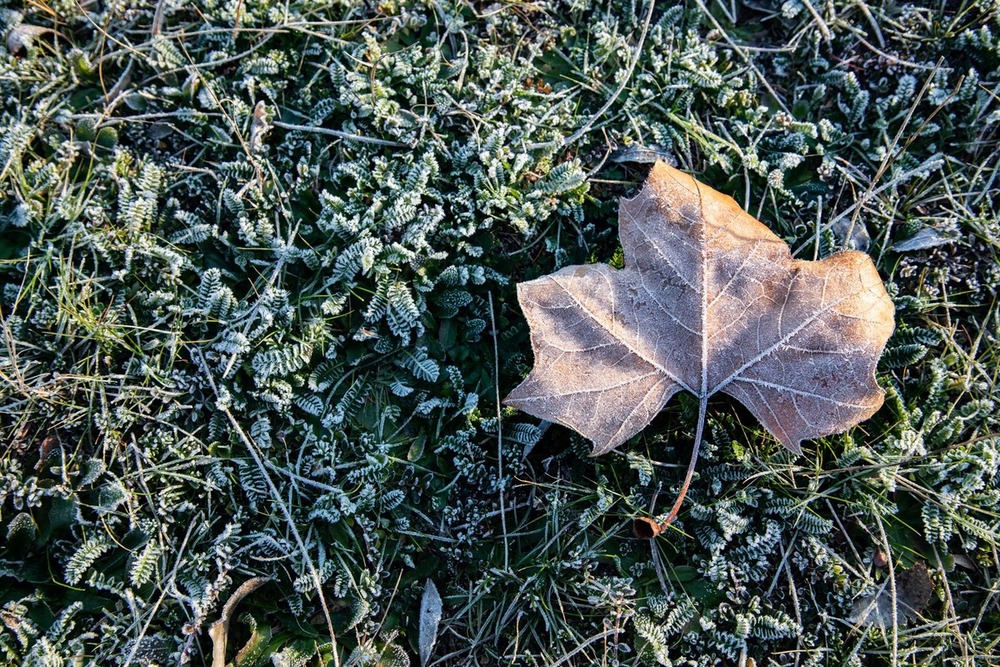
(219, 631)
(914, 588)
(924, 239)
(22, 36)
(259, 127)
(430, 619)
(709, 301)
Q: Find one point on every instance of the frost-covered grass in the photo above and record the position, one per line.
(258, 264)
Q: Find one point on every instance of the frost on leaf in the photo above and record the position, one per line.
(430, 619)
(709, 301)
(912, 591)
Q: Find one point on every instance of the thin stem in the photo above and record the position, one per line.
(647, 528)
(702, 406)
(501, 484)
(347, 136)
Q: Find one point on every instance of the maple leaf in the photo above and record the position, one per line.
(709, 301)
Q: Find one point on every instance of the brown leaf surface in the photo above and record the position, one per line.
(709, 301)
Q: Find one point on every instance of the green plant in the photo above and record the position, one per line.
(257, 268)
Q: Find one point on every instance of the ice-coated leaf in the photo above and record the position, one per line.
(914, 588)
(709, 301)
(430, 619)
(924, 239)
(23, 36)
(640, 154)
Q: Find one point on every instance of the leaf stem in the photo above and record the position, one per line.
(648, 528)
(699, 430)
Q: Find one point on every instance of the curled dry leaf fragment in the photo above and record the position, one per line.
(259, 127)
(219, 631)
(709, 301)
(22, 36)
